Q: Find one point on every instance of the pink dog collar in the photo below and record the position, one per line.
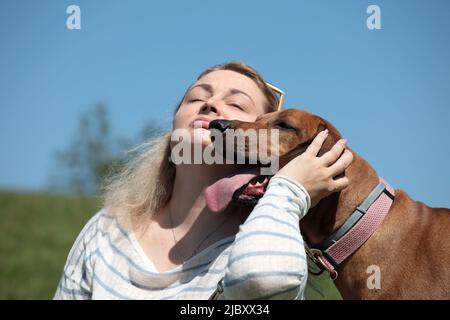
(361, 224)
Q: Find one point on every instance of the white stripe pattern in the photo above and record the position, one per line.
(265, 260)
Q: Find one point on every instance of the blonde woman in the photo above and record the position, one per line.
(155, 238)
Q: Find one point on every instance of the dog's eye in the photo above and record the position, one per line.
(283, 125)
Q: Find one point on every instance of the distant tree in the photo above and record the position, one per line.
(81, 166)
(93, 153)
(150, 130)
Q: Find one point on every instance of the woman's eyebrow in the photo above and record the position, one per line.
(236, 91)
(204, 86)
(232, 91)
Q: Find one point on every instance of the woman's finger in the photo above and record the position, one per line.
(341, 164)
(334, 153)
(315, 146)
(340, 183)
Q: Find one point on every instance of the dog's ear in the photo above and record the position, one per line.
(322, 126)
(333, 136)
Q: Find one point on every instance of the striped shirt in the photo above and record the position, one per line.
(264, 260)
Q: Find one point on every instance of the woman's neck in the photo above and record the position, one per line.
(188, 201)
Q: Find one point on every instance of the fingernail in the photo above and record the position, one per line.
(344, 141)
(325, 132)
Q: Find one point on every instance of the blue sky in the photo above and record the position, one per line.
(388, 90)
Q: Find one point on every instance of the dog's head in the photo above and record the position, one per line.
(296, 129)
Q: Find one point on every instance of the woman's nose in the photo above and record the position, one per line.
(209, 106)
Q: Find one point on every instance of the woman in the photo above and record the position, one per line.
(157, 239)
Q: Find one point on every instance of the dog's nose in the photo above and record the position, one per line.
(220, 125)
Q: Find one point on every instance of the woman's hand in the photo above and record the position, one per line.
(316, 174)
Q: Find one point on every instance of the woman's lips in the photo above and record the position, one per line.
(201, 124)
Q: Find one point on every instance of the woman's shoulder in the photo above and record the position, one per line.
(100, 221)
(102, 226)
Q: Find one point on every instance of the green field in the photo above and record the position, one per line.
(36, 233)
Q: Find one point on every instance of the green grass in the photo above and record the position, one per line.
(321, 288)
(36, 233)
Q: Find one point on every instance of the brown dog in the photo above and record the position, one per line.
(411, 247)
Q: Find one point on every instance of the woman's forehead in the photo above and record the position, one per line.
(227, 79)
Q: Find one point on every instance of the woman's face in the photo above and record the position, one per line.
(221, 94)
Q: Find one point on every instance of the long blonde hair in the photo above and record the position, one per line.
(145, 184)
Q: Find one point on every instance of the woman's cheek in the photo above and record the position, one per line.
(181, 121)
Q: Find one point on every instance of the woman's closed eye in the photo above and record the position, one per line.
(237, 106)
(194, 100)
(230, 103)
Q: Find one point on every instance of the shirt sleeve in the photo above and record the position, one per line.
(76, 280)
(267, 259)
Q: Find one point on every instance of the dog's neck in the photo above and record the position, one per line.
(331, 212)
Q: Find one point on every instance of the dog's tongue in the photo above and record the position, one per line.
(219, 194)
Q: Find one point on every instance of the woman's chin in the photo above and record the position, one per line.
(202, 136)
(205, 142)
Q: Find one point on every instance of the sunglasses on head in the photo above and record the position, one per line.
(280, 93)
